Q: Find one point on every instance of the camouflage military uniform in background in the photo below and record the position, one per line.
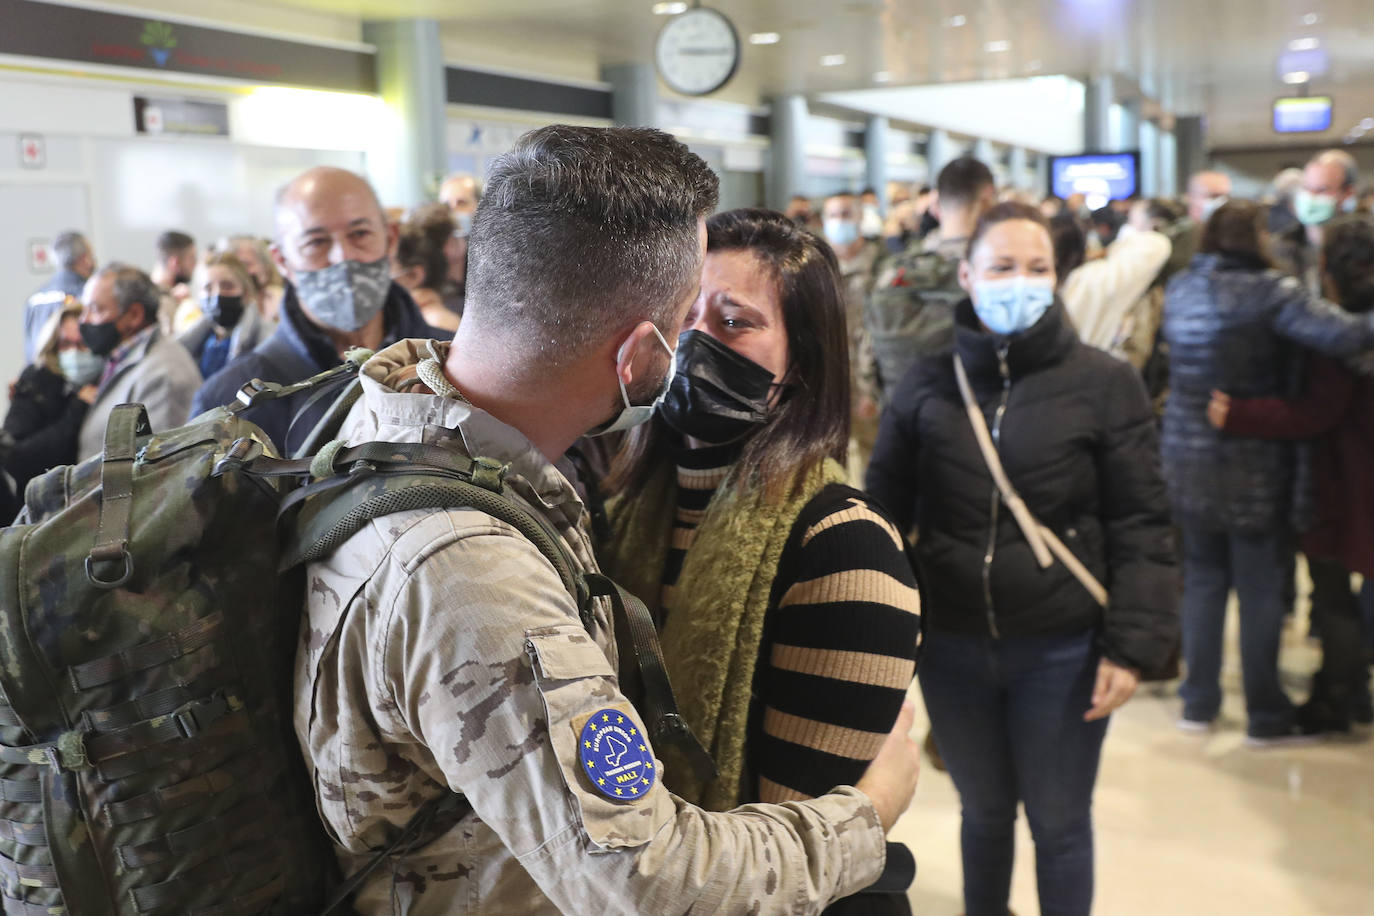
(442, 653)
(856, 276)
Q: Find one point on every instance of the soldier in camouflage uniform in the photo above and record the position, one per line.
(441, 652)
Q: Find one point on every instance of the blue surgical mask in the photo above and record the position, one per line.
(1013, 305)
(841, 232)
(632, 415)
(80, 367)
(1314, 209)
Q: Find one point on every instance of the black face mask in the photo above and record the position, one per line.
(225, 311)
(181, 279)
(717, 396)
(101, 339)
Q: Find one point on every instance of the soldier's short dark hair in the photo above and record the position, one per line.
(70, 247)
(584, 232)
(173, 242)
(132, 285)
(963, 181)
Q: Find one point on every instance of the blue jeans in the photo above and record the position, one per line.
(1214, 562)
(1008, 720)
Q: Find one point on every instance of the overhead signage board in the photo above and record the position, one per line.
(180, 116)
(40, 29)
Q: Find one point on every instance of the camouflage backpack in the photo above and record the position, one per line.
(149, 619)
(910, 312)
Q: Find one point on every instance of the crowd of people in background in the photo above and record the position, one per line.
(1140, 407)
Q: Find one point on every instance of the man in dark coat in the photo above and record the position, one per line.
(334, 247)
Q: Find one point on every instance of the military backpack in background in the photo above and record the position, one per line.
(910, 312)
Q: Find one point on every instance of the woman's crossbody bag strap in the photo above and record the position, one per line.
(1044, 543)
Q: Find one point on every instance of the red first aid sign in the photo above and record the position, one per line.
(33, 151)
(41, 260)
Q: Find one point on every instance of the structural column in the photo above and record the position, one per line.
(875, 157)
(787, 165)
(410, 79)
(1017, 166)
(1149, 159)
(940, 153)
(1190, 148)
(1168, 164)
(634, 94)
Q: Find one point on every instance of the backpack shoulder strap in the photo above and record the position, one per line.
(384, 478)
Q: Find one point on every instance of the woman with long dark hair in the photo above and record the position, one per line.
(789, 612)
(1027, 462)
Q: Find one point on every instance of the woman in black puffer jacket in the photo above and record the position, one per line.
(47, 406)
(1022, 667)
(1232, 324)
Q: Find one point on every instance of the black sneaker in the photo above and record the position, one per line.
(1296, 735)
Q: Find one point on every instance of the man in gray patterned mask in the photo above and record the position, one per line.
(333, 245)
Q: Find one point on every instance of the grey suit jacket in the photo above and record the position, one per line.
(159, 374)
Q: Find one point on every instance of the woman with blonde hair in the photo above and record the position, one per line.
(232, 323)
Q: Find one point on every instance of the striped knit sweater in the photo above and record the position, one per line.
(840, 636)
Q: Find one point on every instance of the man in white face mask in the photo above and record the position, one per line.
(456, 648)
(333, 246)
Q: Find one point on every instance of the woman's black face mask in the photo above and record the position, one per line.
(717, 396)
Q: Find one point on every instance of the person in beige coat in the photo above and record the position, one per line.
(119, 321)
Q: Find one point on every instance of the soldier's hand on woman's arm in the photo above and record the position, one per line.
(890, 781)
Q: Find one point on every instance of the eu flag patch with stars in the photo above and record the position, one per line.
(616, 756)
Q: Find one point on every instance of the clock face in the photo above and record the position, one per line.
(698, 52)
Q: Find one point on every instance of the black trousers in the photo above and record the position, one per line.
(1344, 674)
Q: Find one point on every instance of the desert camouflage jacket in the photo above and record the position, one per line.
(442, 653)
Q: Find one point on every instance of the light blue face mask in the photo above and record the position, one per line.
(80, 367)
(841, 232)
(1314, 209)
(632, 415)
(1012, 305)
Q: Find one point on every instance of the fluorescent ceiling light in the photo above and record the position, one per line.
(1035, 65)
(997, 47)
(1311, 19)
(669, 9)
(1304, 44)
(833, 60)
(1367, 124)
(1297, 77)
(765, 38)
(882, 76)
(956, 22)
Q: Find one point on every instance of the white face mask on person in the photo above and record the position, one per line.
(631, 415)
(841, 232)
(1012, 305)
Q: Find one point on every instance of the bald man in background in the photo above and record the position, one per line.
(1329, 189)
(333, 245)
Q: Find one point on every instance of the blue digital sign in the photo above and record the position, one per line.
(1310, 114)
(1099, 178)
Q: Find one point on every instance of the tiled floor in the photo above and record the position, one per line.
(1192, 824)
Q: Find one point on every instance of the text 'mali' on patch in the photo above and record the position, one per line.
(616, 756)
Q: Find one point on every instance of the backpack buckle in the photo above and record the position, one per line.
(489, 474)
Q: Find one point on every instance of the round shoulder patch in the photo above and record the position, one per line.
(616, 755)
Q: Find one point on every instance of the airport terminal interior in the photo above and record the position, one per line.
(1189, 344)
